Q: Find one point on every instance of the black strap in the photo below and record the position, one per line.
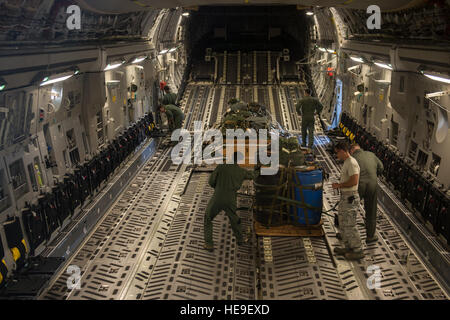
(308, 187)
(299, 203)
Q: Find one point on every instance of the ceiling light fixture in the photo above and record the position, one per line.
(185, 14)
(114, 65)
(139, 59)
(172, 50)
(383, 65)
(323, 49)
(164, 51)
(310, 13)
(433, 74)
(57, 78)
(357, 59)
(3, 84)
(439, 78)
(76, 70)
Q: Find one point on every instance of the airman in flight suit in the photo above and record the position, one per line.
(226, 180)
(169, 97)
(370, 167)
(306, 108)
(174, 115)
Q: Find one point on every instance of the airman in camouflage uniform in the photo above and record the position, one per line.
(348, 205)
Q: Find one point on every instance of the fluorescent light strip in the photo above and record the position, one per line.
(2, 87)
(44, 83)
(323, 49)
(137, 60)
(382, 81)
(185, 14)
(164, 51)
(436, 78)
(383, 65)
(172, 50)
(357, 59)
(113, 66)
(309, 13)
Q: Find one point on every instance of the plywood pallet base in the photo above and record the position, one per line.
(289, 230)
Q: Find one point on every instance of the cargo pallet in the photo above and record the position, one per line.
(284, 202)
(289, 230)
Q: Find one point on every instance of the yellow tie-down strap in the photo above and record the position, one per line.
(1, 276)
(25, 245)
(16, 253)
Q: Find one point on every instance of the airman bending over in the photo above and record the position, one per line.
(226, 180)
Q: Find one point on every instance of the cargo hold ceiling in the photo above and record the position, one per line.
(123, 6)
(44, 21)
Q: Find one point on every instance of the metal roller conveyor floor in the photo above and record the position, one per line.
(149, 245)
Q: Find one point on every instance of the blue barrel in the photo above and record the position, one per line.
(312, 197)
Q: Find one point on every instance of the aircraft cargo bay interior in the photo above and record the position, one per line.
(224, 150)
